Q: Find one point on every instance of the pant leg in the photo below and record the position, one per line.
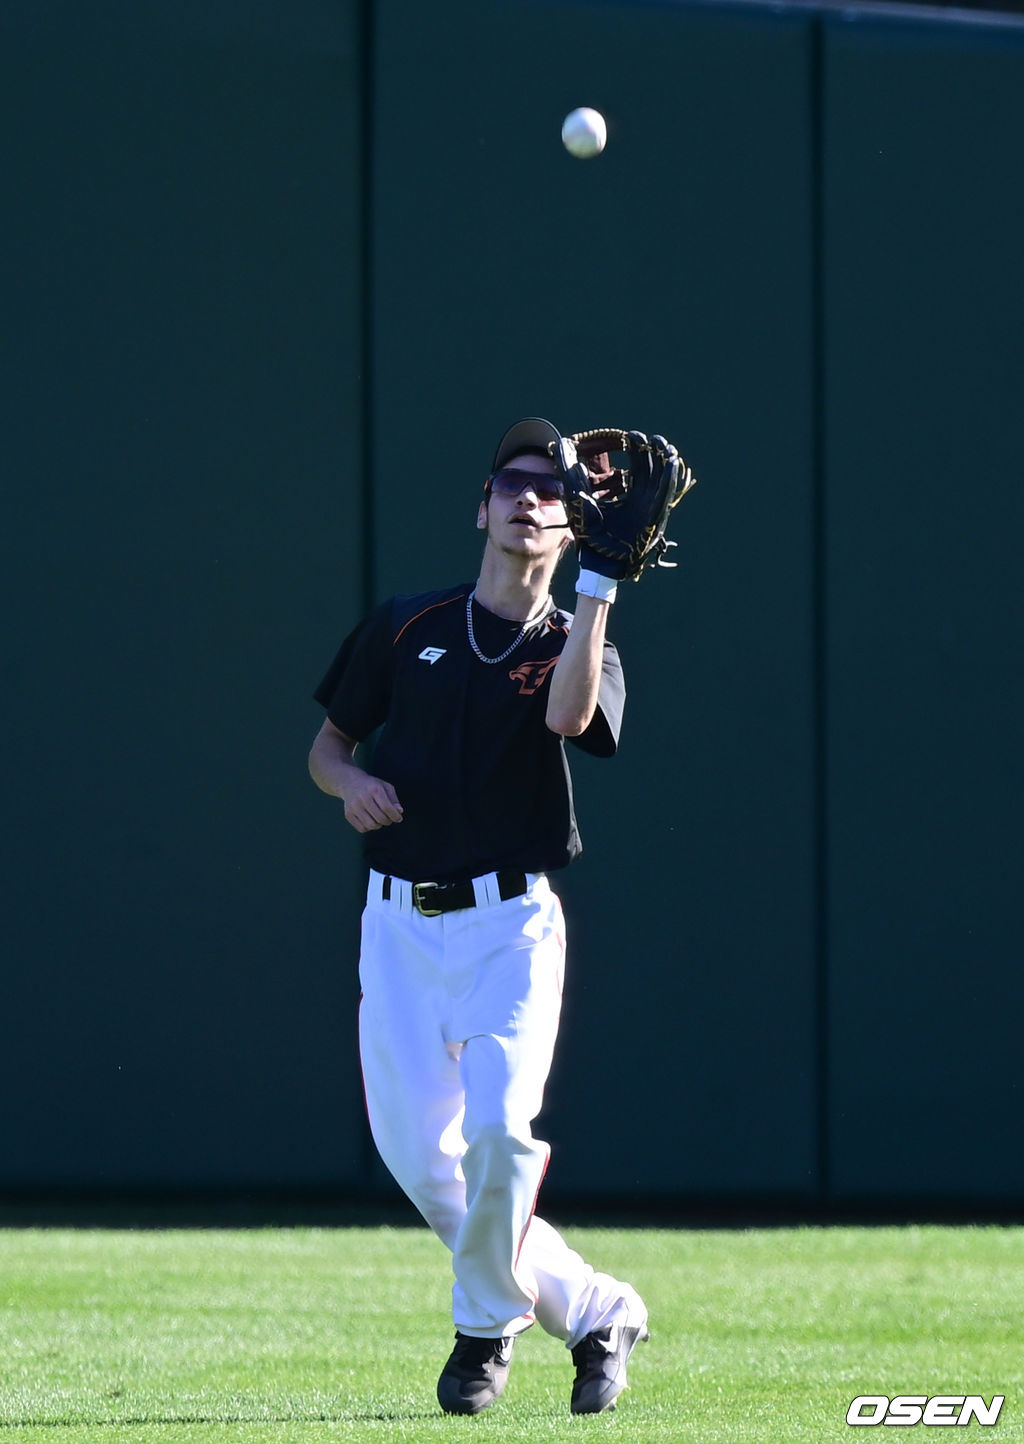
(512, 1267)
(572, 1298)
(414, 1098)
(495, 1290)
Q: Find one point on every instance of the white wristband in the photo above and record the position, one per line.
(593, 584)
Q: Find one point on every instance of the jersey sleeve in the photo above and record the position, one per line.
(356, 688)
(601, 739)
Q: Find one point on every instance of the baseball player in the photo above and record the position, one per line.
(465, 809)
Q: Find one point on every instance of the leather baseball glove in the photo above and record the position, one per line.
(618, 515)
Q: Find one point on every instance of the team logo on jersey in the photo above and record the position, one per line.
(531, 675)
(432, 654)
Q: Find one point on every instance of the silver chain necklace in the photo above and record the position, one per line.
(492, 661)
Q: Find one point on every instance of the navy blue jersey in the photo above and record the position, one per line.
(484, 784)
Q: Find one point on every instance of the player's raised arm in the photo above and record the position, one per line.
(617, 516)
(576, 680)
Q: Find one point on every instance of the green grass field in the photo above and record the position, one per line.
(327, 1334)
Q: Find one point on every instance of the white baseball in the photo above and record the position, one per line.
(584, 132)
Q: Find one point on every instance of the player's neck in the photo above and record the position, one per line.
(517, 595)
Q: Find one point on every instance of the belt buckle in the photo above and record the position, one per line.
(418, 889)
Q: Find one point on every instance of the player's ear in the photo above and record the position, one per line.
(481, 517)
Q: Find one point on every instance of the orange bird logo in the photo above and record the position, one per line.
(531, 675)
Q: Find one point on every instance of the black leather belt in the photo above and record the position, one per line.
(433, 898)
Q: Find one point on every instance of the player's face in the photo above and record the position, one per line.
(523, 517)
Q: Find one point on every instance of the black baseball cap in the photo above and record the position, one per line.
(532, 434)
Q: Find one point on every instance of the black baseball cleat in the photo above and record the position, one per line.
(475, 1374)
(600, 1358)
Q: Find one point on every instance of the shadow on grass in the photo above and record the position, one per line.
(259, 1211)
(340, 1416)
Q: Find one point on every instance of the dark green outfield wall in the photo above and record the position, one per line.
(925, 622)
(262, 255)
(182, 332)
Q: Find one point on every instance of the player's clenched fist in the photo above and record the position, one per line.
(370, 803)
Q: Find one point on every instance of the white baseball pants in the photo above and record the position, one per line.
(457, 1027)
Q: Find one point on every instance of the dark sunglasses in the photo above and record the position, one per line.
(512, 482)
